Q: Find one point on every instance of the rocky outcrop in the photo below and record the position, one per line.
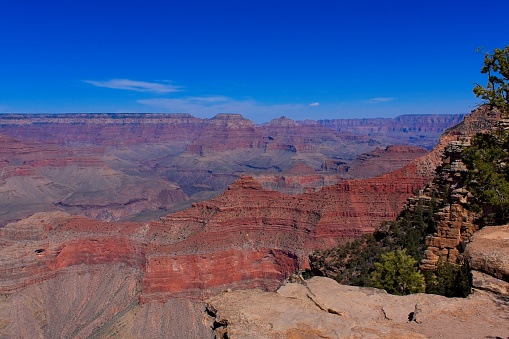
(487, 254)
(455, 223)
(321, 308)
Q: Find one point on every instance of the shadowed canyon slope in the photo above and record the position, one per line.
(117, 166)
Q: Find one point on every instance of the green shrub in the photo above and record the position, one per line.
(487, 160)
(398, 273)
(449, 280)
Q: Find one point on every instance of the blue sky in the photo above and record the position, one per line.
(263, 59)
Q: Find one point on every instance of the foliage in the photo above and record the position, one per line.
(449, 280)
(352, 263)
(487, 160)
(496, 92)
(397, 273)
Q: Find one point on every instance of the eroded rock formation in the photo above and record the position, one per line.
(246, 237)
(263, 235)
(456, 223)
(142, 166)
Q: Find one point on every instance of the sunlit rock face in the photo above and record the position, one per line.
(142, 166)
(263, 234)
(322, 308)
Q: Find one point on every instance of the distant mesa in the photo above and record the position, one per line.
(282, 121)
(225, 116)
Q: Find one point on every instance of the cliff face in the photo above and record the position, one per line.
(455, 222)
(302, 178)
(248, 237)
(263, 235)
(142, 166)
(98, 301)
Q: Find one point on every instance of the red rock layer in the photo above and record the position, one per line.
(302, 178)
(102, 165)
(247, 237)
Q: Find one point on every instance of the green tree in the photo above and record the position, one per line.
(449, 280)
(496, 92)
(397, 273)
(487, 160)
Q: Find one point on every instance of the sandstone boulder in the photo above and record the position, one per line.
(488, 251)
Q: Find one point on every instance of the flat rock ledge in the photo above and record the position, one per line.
(321, 308)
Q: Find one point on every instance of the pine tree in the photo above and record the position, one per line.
(397, 273)
(496, 92)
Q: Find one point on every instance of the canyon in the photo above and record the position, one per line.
(143, 166)
(260, 198)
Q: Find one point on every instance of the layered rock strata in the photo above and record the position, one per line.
(247, 237)
(142, 166)
(96, 301)
(302, 178)
(263, 235)
(455, 222)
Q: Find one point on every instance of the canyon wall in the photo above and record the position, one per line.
(143, 166)
(456, 222)
(264, 234)
(245, 237)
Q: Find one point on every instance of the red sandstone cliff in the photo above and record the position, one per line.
(263, 235)
(142, 166)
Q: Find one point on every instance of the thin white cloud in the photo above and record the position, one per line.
(210, 100)
(314, 104)
(211, 105)
(379, 100)
(137, 86)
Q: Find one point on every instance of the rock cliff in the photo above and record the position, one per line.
(456, 223)
(142, 166)
(265, 235)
